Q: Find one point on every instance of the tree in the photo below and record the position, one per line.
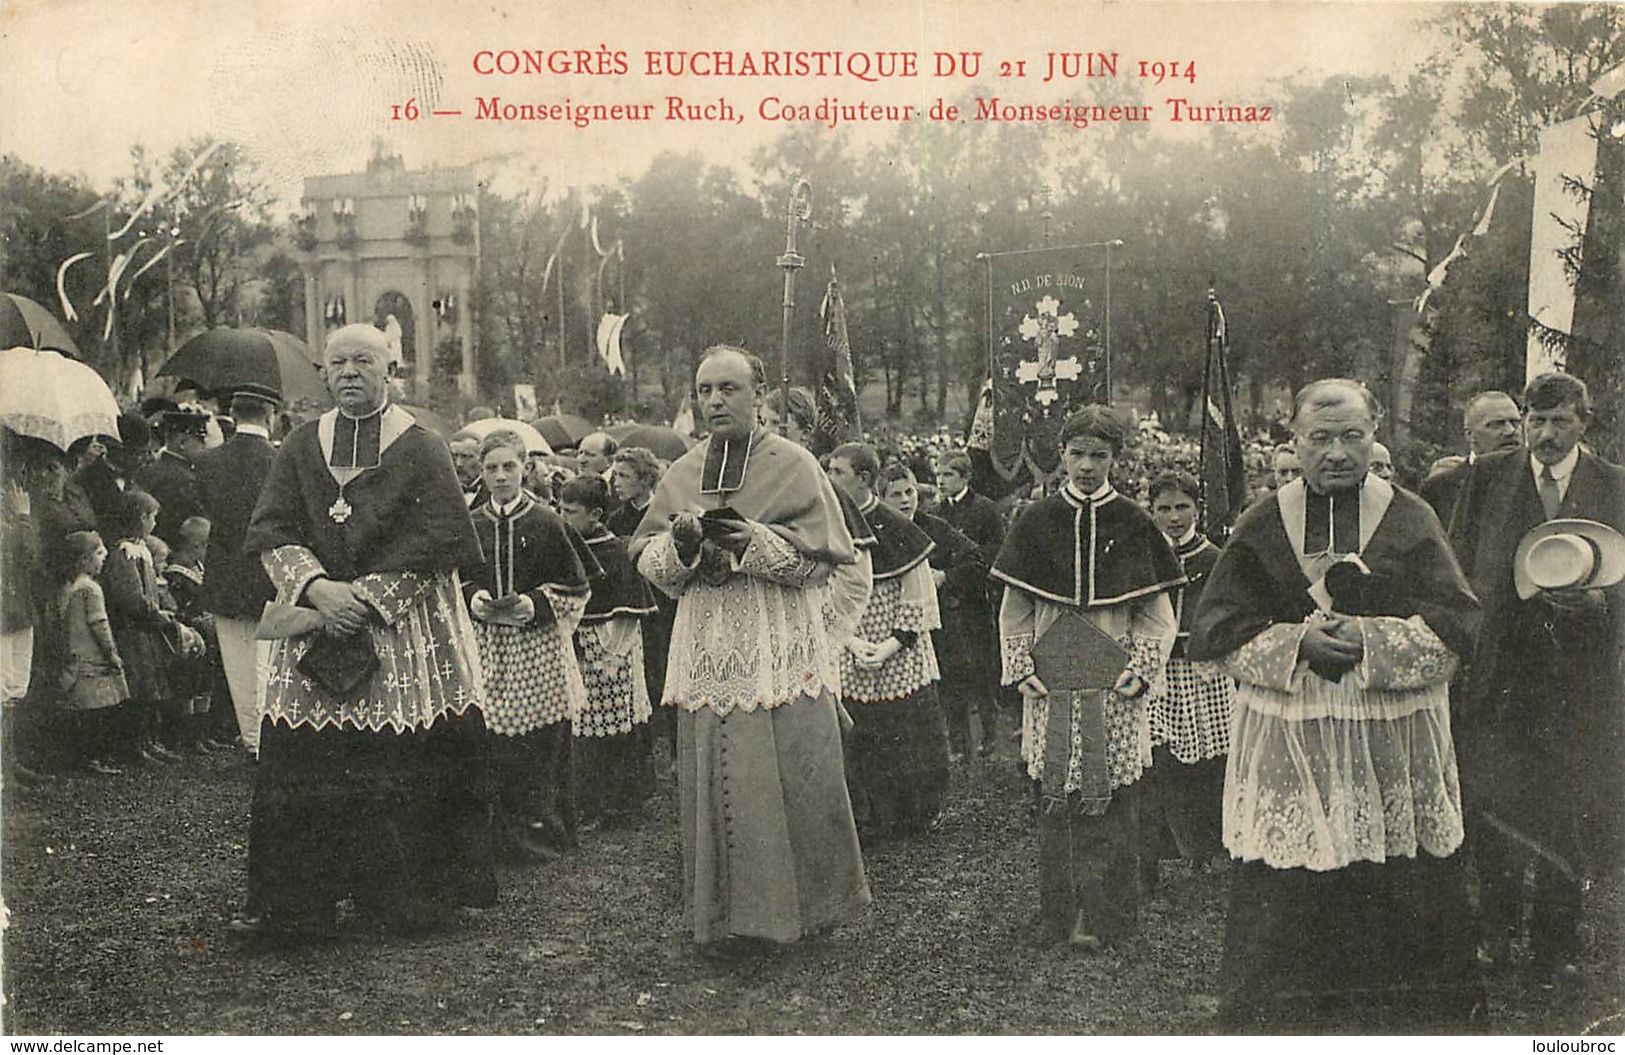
(1526, 67)
(215, 218)
(281, 304)
(37, 236)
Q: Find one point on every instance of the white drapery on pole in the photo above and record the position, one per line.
(609, 342)
(1568, 151)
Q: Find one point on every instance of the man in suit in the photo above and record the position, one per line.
(1492, 423)
(1540, 727)
(596, 452)
(235, 586)
(969, 659)
(170, 477)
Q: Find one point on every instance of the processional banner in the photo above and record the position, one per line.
(1046, 349)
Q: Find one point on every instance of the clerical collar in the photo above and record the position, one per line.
(357, 441)
(1184, 540)
(1331, 522)
(1099, 494)
(510, 508)
(248, 429)
(725, 462)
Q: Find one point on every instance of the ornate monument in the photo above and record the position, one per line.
(400, 250)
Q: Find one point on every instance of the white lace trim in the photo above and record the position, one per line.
(1322, 780)
(911, 669)
(749, 643)
(429, 666)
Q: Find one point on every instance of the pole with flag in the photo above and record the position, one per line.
(837, 409)
(1224, 474)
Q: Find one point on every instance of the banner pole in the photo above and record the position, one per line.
(798, 212)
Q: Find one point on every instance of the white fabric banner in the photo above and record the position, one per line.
(609, 342)
(1567, 149)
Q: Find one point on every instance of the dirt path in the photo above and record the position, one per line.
(119, 890)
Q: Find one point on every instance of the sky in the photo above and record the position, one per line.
(309, 86)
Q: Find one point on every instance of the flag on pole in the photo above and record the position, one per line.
(837, 405)
(1224, 474)
(609, 342)
(979, 437)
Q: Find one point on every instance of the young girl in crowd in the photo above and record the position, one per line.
(93, 679)
(611, 730)
(139, 622)
(526, 598)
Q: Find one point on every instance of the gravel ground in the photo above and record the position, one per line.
(119, 890)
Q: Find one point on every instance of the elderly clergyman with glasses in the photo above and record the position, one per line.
(1340, 610)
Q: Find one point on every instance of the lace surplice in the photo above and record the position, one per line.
(753, 642)
(1322, 774)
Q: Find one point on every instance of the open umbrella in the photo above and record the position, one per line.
(48, 396)
(535, 442)
(663, 442)
(25, 324)
(228, 358)
(430, 420)
(563, 430)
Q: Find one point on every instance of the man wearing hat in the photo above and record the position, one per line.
(235, 586)
(170, 477)
(104, 476)
(1540, 726)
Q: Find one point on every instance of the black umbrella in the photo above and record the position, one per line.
(25, 324)
(268, 361)
(562, 430)
(657, 439)
(430, 420)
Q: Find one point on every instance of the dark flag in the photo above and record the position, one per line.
(1045, 350)
(1224, 475)
(837, 418)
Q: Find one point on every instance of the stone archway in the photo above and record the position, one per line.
(402, 242)
(396, 305)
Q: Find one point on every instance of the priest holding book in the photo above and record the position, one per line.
(745, 531)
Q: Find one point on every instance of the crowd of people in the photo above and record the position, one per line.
(1361, 705)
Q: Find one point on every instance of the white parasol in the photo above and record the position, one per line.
(535, 443)
(48, 396)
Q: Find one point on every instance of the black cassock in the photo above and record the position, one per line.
(1366, 946)
(348, 804)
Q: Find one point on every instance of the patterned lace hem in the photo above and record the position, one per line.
(392, 724)
(722, 708)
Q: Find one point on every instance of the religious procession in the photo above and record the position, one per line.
(1198, 675)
